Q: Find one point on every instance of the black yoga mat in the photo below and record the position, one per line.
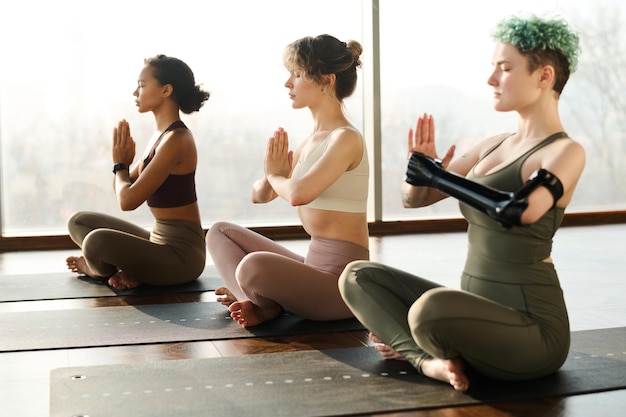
(309, 383)
(141, 324)
(64, 285)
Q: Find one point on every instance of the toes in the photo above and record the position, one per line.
(373, 338)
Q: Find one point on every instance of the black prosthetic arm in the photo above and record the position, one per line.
(504, 207)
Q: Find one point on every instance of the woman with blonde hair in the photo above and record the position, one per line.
(326, 178)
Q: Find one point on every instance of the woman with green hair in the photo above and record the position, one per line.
(509, 320)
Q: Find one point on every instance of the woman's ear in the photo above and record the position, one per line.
(547, 75)
(330, 80)
(167, 90)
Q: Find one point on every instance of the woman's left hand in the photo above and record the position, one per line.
(422, 140)
(123, 151)
(278, 157)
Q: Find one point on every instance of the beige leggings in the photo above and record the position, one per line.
(258, 269)
(172, 253)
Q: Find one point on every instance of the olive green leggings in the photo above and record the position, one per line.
(421, 319)
(172, 253)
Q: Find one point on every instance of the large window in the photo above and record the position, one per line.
(68, 72)
(435, 57)
(69, 68)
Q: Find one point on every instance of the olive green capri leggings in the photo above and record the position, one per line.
(421, 319)
(172, 253)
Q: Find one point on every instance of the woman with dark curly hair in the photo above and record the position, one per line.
(173, 252)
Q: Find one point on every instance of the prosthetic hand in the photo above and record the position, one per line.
(504, 207)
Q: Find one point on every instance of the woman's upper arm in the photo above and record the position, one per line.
(567, 165)
(344, 152)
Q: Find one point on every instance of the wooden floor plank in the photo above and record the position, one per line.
(589, 259)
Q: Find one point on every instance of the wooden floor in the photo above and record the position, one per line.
(590, 261)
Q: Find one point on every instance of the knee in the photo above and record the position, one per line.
(72, 219)
(216, 228)
(428, 310)
(351, 277)
(95, 243)
(216, 231)
(80, 218)
(251, 271)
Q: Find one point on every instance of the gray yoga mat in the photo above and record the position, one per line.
(141, 324)
(64, 285)
(309, 383)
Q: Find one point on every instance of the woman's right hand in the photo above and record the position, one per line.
(123, 149)
(278, 157)
(422, 139)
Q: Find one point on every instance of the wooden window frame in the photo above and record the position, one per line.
(376, 228)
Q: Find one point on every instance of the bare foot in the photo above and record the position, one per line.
(79, 265)
(385, 350)
(447, 370)
(121, 281)
(248, 314)
(227, 297)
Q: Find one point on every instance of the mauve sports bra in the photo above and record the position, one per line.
(176, 190)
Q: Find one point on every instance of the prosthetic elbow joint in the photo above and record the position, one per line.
(511, 213)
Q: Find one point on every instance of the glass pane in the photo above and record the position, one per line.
(68, 74)
(436, 57)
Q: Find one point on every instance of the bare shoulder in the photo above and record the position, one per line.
(346, 133)
(181, 132)
(178, 138)
(345, 146)
(347, 138)
(566, 152)
(177, 150)
(574, 146)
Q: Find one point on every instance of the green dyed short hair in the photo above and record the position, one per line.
(534, 33)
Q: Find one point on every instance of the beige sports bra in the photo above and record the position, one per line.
(349, 192)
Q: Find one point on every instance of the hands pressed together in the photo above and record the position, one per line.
(278, 157)
(123, 150)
